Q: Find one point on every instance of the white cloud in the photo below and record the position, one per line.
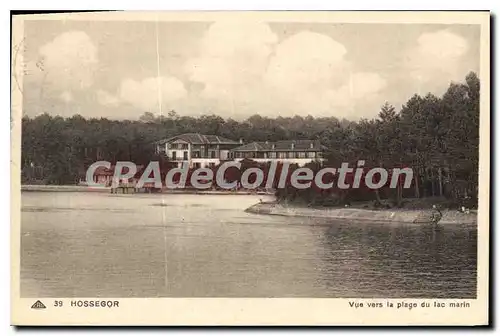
(68, 61)
(436, 59)
(306, 61)
(107, 99)
(311, 75)
(150, 92)
(357, 97)
(233, 56)
(360, 86)
(245, 70)
(66, 96)
(363, 84)
(442, 45)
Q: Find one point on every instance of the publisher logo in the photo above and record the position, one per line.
(38, 305)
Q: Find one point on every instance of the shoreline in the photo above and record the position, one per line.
(423, 216)
(76, 188)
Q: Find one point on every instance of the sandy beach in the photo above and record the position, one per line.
(390, 215)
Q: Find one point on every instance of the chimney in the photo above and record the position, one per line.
(241, 141)
(312, 145)
(273, 146)
(267, 142)
(293, 145)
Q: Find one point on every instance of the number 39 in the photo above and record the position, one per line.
(58, 303)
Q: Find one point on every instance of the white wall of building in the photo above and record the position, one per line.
(224, 154)
(204, 162)
(179, 153)
(300, 162)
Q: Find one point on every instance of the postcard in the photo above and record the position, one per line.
(250, 168)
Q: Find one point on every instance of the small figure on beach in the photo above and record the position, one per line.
(464, 210)
(436, 217)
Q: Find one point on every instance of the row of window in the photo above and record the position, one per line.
(251, 155)
(275, 155)
(178, 146)
(211, 154)
(195, 155)
(184, 155)
(198, 165)
(186, 146)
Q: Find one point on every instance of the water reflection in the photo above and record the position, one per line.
(400, 261)
(162, 245)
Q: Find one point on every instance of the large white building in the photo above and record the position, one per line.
(198, 150)
(293, 151)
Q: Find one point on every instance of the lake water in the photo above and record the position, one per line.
(77, 244)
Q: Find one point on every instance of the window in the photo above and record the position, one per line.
(292, 155)
(211, 164)
(301, 155)
(185, 155)
(212, 154)
(282, 155)
(311, 155)
(272, 155)
(197, 165)
(174, 155)
(184, 146)
(172, 146)
(260, 155)
(196, 154)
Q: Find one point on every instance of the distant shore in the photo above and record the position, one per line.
(63, 188)
(278, 209)
(386, 215)
(75, 188)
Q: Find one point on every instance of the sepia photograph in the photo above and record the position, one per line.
(247, 155)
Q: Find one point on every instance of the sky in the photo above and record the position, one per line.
(235, 69)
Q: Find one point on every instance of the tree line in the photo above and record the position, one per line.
(437, 136)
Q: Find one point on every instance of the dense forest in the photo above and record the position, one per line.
(437, 136)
